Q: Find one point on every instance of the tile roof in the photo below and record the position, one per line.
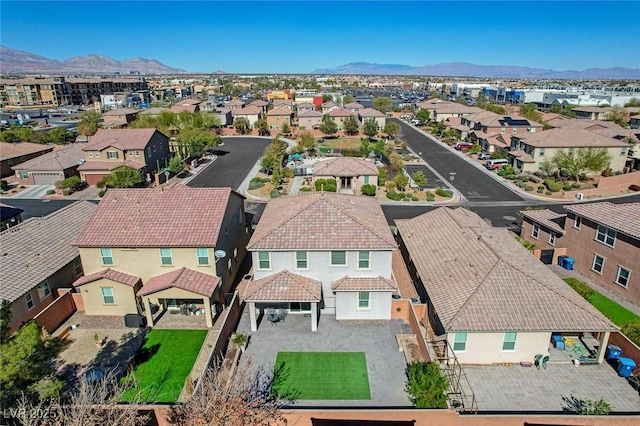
(280, 111)
(235, 102)
(329, 104)
(479, 278)
(341, 112)
(345, 166)
(322, 221)
(547, 218)
(120, 138)
(177, 216)
(305, 105)
(282, 286)
(154, 111)
(370, 112)
(38, 247)
(248, 110)
(120, 111)
(363, 284)
(10, 150)
(188, 101)
(309, 114)
(354, 105)
(60, 159)
(280, 102)
(522, 155)
(183, 278)
(623, 218)
(109, 274)
(569, 138)
(454, 108)
(178, 108)
(107, 166)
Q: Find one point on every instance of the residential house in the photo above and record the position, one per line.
(493, 131)
(555, 120)
(370, 113)
(322, 251)
(305, 107)
(209, 106)
(339, 115)
(189, 105)
(329, 106)
(251, 113)
(544, 228)
(39, 258)
(634, 121)
(118, 117)
(51, 167)
(146, 150)
(486, 295)
(591, 112)
(223, 115)
(349, 172)
(354, 107)
(154, 112)
(456, 124)
(165, 247)
(11, 216)
(528, 151)
(235, 104)
(279, 116)
(308, 120)
(12, 154)
(440, 111)
(282, 103)
(262, 104)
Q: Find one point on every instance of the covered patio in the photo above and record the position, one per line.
(279, 294)
(182, 291)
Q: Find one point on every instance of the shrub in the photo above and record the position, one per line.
(305, 189)
(430, 196)
(427, 385)
(331, 185)
(319, 183)
(535, 179)
(369, 190)
(567, 187)
(575, 185)
(540, 189)
(101, 193)
(510, 177)
(508, 169)
(274, 193)
(581, 288)
(501, 172)
(393, 195)
(528, 188)
(51, 192)
(634, 187)
(255, 185)
(548, 193)
(552, 185)
(522, 185)
(632, 331)
(444, 192)
(415, 199)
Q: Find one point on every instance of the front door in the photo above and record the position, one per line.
(345, 182)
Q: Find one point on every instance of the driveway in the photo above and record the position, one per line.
(33, 191)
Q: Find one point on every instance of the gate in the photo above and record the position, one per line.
(546, 256)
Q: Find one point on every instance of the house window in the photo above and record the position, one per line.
(107, 296)
(598, 264)
(24, 174)
(363, 300)
(623, 151)
(235, 253)
(148, 151)
(541, 152)
(130, 153)
(90, 153)
(552, 239)
(366, 180)
(137, 153)
(363, 259)
(112, 155)
(43, 289)
(264, 260)
(622, 277)
(107, 258)
(502, 130)
(77, 267)
(302, 261)
(509, 342)
(338, 258)
(606, 236)
(229, 265)
(577, 223)
(29, 299)
(9, 162)
(97, 154)
(165, 256)
(203, 255)
(515, 130)
(460, 342)
(535, 231)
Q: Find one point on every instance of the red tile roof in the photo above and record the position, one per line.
(345, 166)
(363, 284)
(120, 138)
(12, 150)
(60, 159)
(177, 216)
(248, 110)
(183, 278)
(341, 112)
(120, 111)
(567, 137)
(284, 286)
(280, 111)
(109, 274)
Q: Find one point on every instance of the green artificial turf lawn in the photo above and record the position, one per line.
(322, 375)
(616, 313)
(165, 360)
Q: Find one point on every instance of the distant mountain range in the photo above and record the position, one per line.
(464, 69)
(15, 62)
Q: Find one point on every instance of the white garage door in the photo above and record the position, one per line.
(42, 178)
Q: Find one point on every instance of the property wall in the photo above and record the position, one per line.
(582, 246)
(347, 306)
(608, 185)
(56, 313)
(233, 239)
(125, 299)
(486, 348)
(629, 349)
(77, 300)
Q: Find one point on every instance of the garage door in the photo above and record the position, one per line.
(41, 178)
(93, 179)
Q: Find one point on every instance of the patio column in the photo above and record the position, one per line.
(314, 316)
(252, 316)
(207, 311)
(147, 311)
(603, 347)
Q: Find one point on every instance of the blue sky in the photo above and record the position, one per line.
(301, 36)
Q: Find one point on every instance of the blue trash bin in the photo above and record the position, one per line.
(568, 263)
(562, 261)
(625, 367)
(613, 352)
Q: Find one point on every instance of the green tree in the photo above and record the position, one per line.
(6, 315)
(370, 127)
(547, 167)
(583, 160)
(426, 385)
(176, 164)
(306, 142)
(20, 134)
(347, 99)
(286, 129)
(618, 116)
(198, 141)
(365, 147)
(382, 104)
(262, 126)
(328, 127)
(498, 109)
(61, 136)
(392, 129)
(382, 177)
(369, 190)
(89, 123)
(242, 125)
(419, 178)
(124, 177)
(401, 181)
(530, 111)
(423, 115)
(327, 97)
(633, 102)
(350, 126)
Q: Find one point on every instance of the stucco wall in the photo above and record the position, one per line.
(124, 295)
(347, 306)
(486, 348)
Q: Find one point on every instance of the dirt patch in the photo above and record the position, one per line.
(408, 344)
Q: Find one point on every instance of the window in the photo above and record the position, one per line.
(460, 342)
(598, 264)
(107, 258)
(130, 153)
(229, 265)
(9, 162)
(552, 239)
(541, 152)
(515, 130)
(366, 180)
(112, 155)
(77, 267)
(29, 299)
(535, 231)
(363, 259)
(107, 296)
(43, 289)
(577, 223)
(137, 153)
(264, 260)
(302, 260)
(363, 300)
(149, 151)
(509, 342)
(97, 154)
(606, 236)
(622, 278)
(165, 256)
(235, 253)
(24, 174)
(203, 255)
(623, 151)
(338, 258)
(90, 153)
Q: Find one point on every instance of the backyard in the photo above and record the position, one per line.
(322, 375)
(164, 361)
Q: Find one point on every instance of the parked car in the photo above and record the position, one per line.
(484, 155)
(460, 146)
(496, 163)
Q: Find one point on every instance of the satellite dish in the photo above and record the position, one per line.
(219, 254)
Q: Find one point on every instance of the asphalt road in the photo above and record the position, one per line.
(472, 183)
(36, 208)
(235, 160)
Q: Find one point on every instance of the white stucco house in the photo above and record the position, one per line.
(322, 252)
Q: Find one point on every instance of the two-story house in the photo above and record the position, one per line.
(329, 106)
(373, 114)
(260, 103)
(304, 107)
(528, 151)
(339, 115)
(282, 103)
(164, 247)
(309, 119)
(51, 167)
(354, 107)
(12, 154)
(251, 113)
(146, 150)
(493, 131)
(322, 251)
(279, 116)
